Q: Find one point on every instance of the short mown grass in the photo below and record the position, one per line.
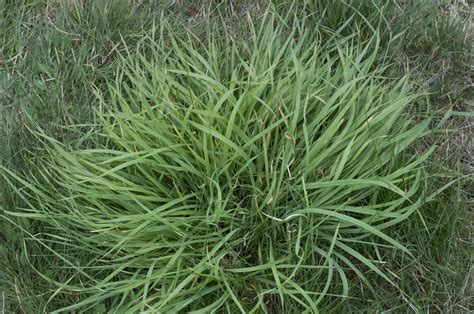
(248, 161)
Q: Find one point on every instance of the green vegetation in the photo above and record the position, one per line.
(232, 156)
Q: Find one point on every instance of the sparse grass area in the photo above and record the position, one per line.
(79, 70)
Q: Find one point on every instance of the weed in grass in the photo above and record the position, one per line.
(31, 44)
(239, 177)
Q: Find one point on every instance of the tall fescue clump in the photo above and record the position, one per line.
(253, 176)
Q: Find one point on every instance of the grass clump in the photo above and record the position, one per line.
(253, 176)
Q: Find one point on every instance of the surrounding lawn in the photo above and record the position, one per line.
(230, 156)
